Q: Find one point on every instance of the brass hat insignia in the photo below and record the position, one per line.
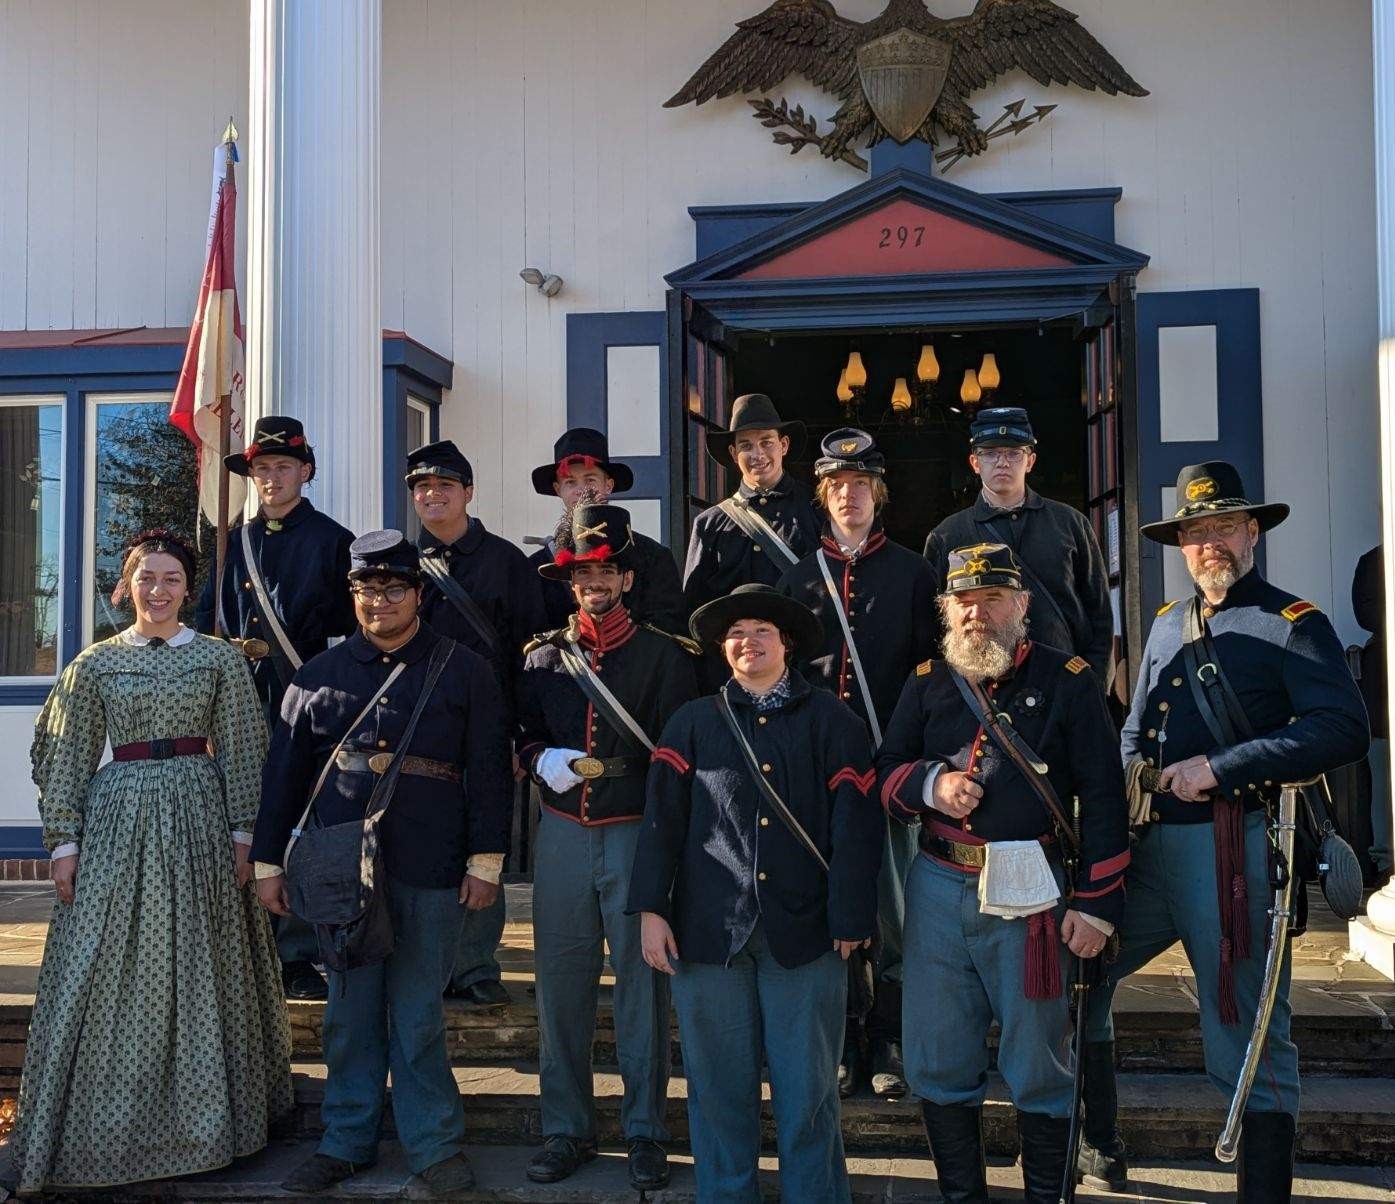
(1202, 487)
(596, 532)
(975, 568)
(849, 445)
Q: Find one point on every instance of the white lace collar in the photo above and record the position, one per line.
(184, 636)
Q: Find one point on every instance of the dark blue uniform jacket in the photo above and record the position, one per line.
(889, 595)
(657, 596)
(503, 584)
(1287, 666)
(305, 568)
(721, 556)
(714, 859)
(1058, 708)
(431, 826)
(651, 674)
(1057, 543)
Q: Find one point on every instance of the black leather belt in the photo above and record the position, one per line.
(610, 767)
(970, 856)
(422, 767)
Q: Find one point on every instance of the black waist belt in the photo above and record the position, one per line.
(968, 856)
(610, 767)
(422, 767)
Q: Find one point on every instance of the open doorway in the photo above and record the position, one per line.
(1041, 368)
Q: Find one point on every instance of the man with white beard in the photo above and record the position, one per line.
(1203, 771)
(991, 913)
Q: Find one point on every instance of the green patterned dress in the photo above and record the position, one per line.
(159, 1044)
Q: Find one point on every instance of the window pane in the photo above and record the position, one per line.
(31, 451)
(418, 433)
(146, 476)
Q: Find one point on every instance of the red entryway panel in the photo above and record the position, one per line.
(902, 239)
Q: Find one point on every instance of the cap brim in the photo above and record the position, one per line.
(545, 477)
(710, 622)
(237, 463)
(1268, 514)
(719, 442)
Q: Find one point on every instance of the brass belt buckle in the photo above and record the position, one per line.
(972, 855)
(379, 762)
(254, 649)
(588, 767)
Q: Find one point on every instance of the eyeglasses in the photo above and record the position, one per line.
(1008, 455)
(1222, 528)
(369, 596)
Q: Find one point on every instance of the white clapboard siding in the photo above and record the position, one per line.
(531, 134)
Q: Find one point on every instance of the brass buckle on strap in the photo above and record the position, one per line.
(972, 855)
(588, 767)
(379, 762)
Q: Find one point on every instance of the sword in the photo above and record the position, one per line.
(1087, 971)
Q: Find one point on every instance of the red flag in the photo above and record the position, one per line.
(213, 374)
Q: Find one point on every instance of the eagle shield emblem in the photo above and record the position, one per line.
(902, 74)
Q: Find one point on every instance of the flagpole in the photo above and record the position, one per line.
(220, 547)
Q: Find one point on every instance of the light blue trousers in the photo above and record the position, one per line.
(963, 971)
(390, 1017)
(728, 1017)
(581, 878)
(1172, 896)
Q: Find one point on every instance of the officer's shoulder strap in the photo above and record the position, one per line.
(557, 637)
(1166, 606)
(692, 647)
(925, 667)
(1297, 610)
(1077, 664)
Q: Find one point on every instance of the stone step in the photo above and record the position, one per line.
(1163, 1116)
(500, 1175)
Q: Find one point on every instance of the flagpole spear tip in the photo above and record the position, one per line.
(230, 134)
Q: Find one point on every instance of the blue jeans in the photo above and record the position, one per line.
(728, 1017)
(390, 1017)
(581, 877)
(1172, 896)
(964, 970)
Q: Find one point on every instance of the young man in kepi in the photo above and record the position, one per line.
(1204, 772)
(756, 876)
(346, 715)
(1062, 566)
(990, 910)
(768, 524)
(285, 594)
(480, 590)
(593, 699)
(876, 602)
(582, 472)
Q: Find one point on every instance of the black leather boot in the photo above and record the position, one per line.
(1103, 1160)
(1267, 1144)
(955, 1134)
(852, 1062)
(1043, 1141)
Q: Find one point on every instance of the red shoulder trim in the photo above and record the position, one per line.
(672, 758)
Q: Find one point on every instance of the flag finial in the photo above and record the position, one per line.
(230, 134)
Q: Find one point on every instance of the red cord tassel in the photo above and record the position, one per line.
(1240, 917)
(1232, 897)
(1043, 970)
(1230, 1012)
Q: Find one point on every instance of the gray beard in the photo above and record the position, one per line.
(986, 656)
(1219, 581)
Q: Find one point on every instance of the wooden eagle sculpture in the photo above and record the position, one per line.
(907, 71)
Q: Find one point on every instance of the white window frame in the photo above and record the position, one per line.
(60, 400)
(91, 402)
(419, 405)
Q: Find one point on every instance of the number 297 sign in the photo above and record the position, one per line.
(897, 238)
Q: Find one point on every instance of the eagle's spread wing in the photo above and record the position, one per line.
(803, 36)
(1040, 37)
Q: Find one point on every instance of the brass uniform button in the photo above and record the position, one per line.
(386, 659)
(764, 500)
(761, 719)
(382, 743)
(968, 827)
(255, 619)
(246, 585)
(1164, 707)
(764, 822)
(1208, 611)
(383, 700)
(1176, 681)
(765, 768)
(1152, 733)
(761, 876)
(755, 547)
(1147, 760)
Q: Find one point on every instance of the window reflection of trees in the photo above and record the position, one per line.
(31, 445)
(146, 477)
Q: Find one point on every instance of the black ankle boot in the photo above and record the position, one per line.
(1267, 1144)
(1103, 1161)
(955, 1134)
(1043, 1141)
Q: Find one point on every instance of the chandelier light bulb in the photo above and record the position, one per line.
(855, 373)
(844, 390)
(969, 391)
(900, 395)
(927, 369)
(988, 376)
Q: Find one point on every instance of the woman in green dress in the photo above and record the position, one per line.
(159, 1044)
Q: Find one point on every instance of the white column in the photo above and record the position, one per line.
(314, 325)
(1372, 936)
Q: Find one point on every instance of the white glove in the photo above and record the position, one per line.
(554, 766)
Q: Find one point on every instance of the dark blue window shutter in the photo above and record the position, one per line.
(589, 340)
(1234, 313)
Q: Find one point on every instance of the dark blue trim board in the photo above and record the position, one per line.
(22, 841)
(589, 337)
